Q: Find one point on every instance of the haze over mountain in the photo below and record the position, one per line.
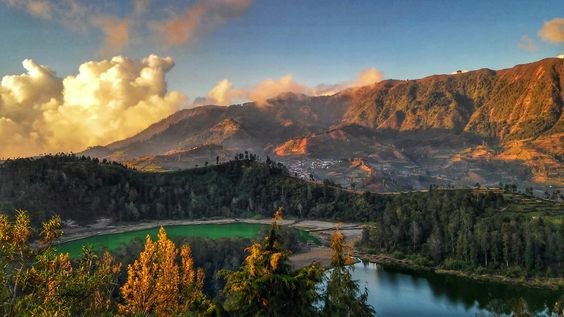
(478, 126)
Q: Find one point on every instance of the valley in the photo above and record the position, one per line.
(234, 158)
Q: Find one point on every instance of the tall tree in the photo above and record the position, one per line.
(158, 285)
(342, 296)
(266, 285)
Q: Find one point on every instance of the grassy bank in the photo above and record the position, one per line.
(410, 265)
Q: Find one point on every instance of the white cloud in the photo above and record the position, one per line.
(460, 71)
(224, 93)
(553, 31)
(106, 101)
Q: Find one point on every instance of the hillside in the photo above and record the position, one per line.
(424, 124)
(84, 190)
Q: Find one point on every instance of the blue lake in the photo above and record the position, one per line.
(394, 292)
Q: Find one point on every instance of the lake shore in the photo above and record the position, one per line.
(322, 229)
(388, 260)
(321, 254)
(319, 228)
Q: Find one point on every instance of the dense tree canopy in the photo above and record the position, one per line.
(462, 230)
(158, 284)
(37, 281)
(85, 189)
(459, 228)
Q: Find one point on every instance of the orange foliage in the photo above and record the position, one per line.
(157, 284)
(342, 252)
(138, 290)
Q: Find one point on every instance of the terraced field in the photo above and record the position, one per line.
(535, 207)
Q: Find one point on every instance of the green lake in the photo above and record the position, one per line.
(114, 241)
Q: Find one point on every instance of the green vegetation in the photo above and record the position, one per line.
(521, 205)
(213, 255)
(482, 233)
(266, 285)
(469, 230)
(163, 280)
(85, 189)
(342, 296)
(36, 281)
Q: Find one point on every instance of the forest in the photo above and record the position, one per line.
(212, 255)
(483, 231)
(86, 189)
(467, 232)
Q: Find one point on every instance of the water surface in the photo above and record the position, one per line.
(394, 292)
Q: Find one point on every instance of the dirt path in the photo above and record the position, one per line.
(321, 255)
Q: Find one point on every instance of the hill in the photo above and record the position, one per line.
(84, 190)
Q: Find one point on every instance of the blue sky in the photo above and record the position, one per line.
(316, 41)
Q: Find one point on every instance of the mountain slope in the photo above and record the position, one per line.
(435, 117)
(526, 102)
(520, 102)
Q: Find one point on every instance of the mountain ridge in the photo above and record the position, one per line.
(522, 104)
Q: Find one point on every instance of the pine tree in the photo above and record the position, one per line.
(158, 285)
(342, 296)
(38, 281)
(267, 286)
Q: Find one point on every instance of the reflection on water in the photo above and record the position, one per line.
(393, 292)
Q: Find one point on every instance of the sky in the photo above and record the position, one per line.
(104, 70)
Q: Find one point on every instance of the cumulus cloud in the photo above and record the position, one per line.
(118, 23)
(553, 31)
(106, 101)
(224, 93)
(365, 77)
(272, 87)
(221, 93)
(368, 77)
(202, 15)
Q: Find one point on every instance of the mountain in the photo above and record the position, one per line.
(414, 132)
